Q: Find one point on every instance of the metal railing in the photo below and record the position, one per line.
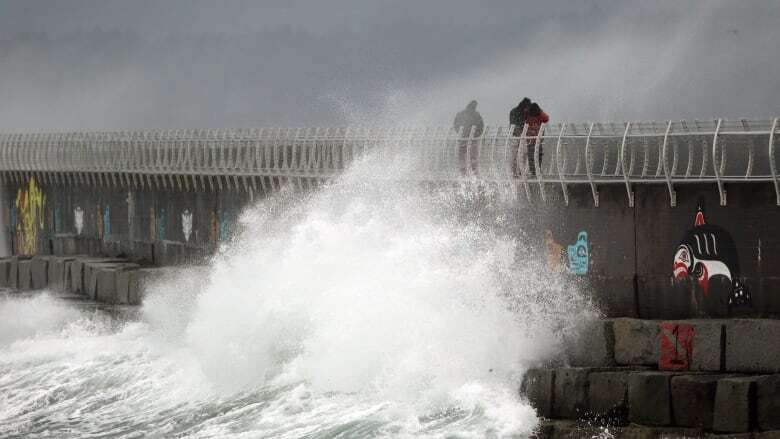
(669, 153)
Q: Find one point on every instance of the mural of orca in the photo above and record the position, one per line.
(707, 255)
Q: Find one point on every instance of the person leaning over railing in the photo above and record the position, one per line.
(536, 117)
(470, 125)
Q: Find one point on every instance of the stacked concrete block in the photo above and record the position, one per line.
(5, 271)
(693, 399)
(636, 341)
(570, 398)
(13, 274)
(735, 405)
(608, 395)
(40, 272)
(768, 402)
(695, 345)
(752, 346)
(538, 387)
(649, 398)
(24, 281)
(107, 278)
(593, 346)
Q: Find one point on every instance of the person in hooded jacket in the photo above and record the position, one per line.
(535, 118)
(469, 124)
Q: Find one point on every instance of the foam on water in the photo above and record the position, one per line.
(364, 309)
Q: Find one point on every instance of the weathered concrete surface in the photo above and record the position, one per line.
(649, 398)
(5, 272)
(693, 400)
(40, 272)
(752, 345)
(636, 341)
(537, 386)
(570, 400)
(593, 346)
(768, 402)
(25, 274)
(735, 405)
(608, 395)
(707, 345)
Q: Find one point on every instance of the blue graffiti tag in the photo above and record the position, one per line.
(162, 222)
(579, 255)
(57, 220)
(226, 224)
(106, 221)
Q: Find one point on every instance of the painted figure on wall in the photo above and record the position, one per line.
(186, 224)
(707, 254)
(579, 256)
(30, 202)
(554, 251)
(78, 219)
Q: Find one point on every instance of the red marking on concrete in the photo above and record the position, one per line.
(676, 346)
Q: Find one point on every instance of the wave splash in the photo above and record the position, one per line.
(366, 308)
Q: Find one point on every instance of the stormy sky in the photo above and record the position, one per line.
(77, 64)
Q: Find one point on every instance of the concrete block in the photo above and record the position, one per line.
(57, 273)
(143, 251)
(636, 341)
(608, 396)
(735, 405)
(13, 274)
(76, 285)
(40, 272)
(693, 400)
(538, 387)
(752, 345)
(570, 398)
(105, 278)
(695, 345)
(768, 402)
(25, 275)
(593, 346)
(5, 271)
(123, 285)
(649, 398)
(64, 244)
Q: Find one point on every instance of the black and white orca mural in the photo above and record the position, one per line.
(707, 255)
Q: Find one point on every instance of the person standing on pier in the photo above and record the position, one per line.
(469, 124)
(517, 118)
(535, 118)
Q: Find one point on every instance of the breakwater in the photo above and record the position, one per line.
(667, 229)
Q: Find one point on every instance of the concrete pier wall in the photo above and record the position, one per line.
(652, 260)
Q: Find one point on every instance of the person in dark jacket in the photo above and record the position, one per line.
(535, 119)
(517, 118)
(469, 124)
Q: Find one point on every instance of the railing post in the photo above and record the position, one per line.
(589, 168)
(772, 163)
(664, 150)
(624, 167)
(715, 166)
(560, 166)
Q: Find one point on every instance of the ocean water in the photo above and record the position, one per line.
(367, 308)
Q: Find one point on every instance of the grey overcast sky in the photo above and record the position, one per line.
(75, 64)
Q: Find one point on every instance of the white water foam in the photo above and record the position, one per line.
(363, 309)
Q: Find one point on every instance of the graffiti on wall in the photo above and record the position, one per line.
(676, 342)
(554, 251)
(226, 223)
(579, 256)
(707, 254)
(162, 225)
(106, 221)
(186, 224)
(30, 216)
(78, 219)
